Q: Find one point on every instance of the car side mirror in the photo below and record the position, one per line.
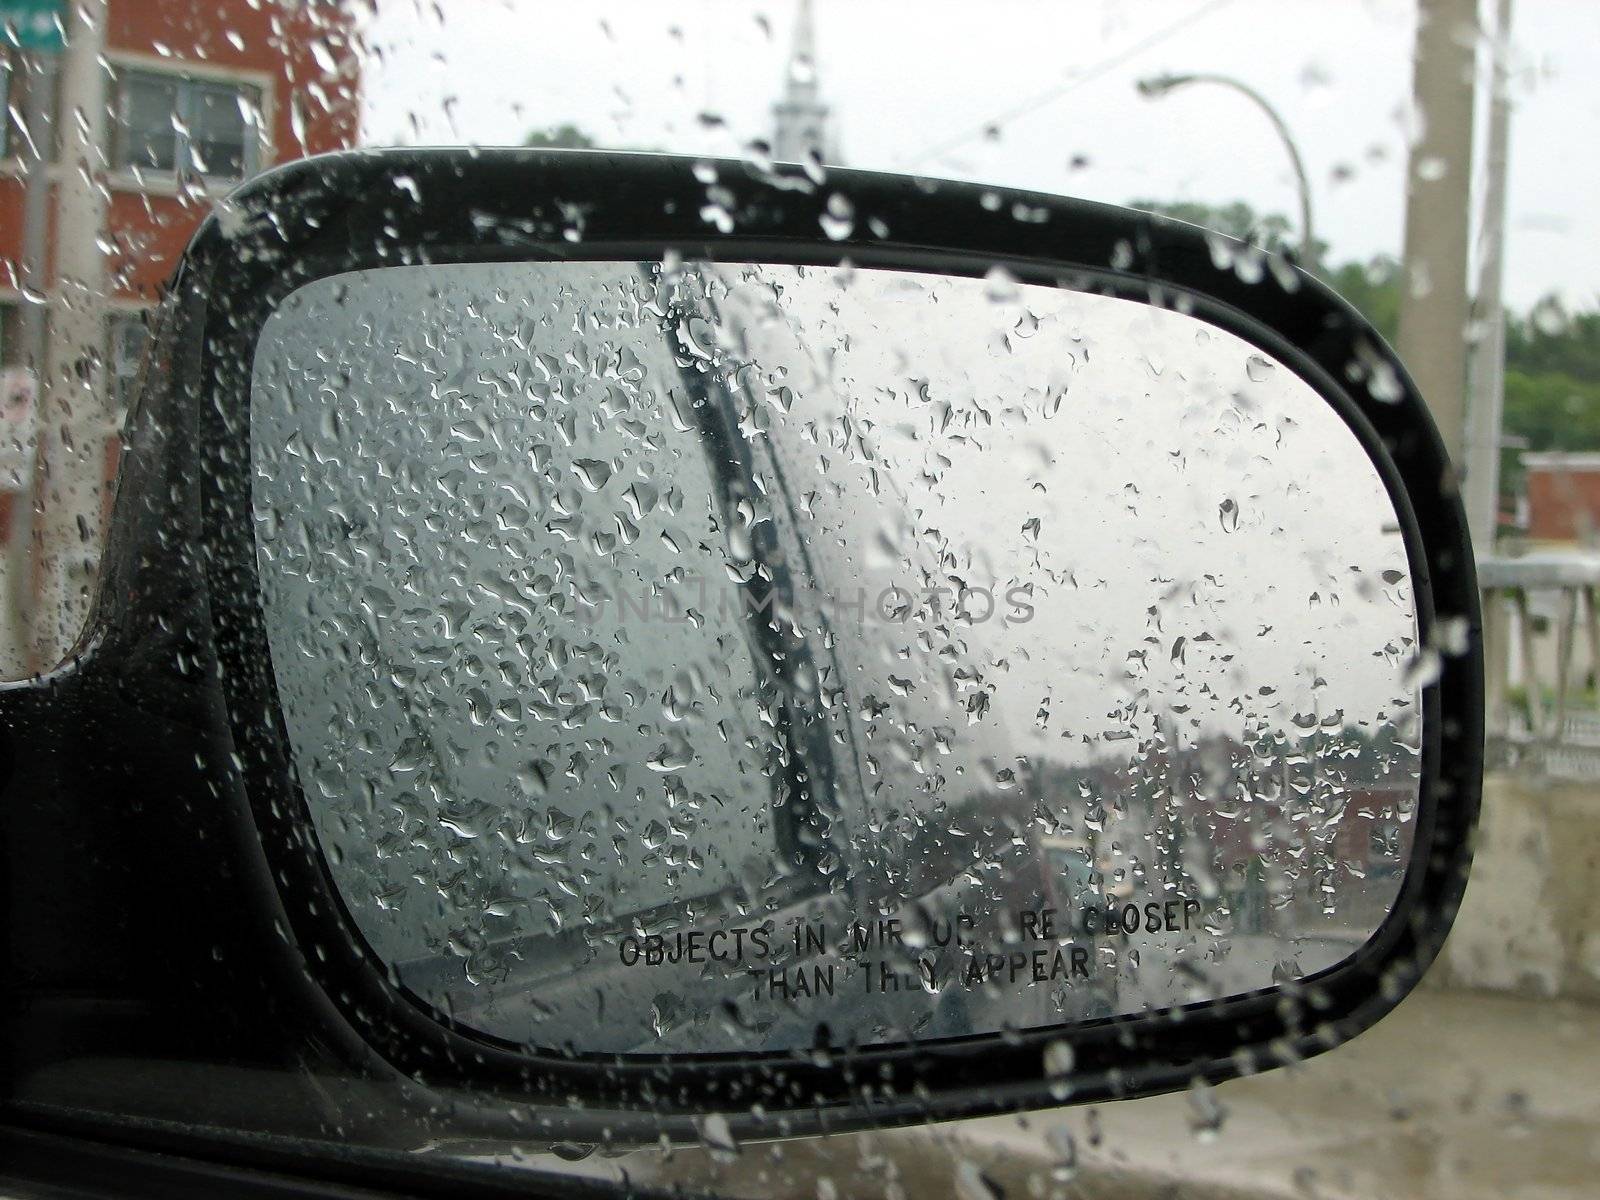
(688, 639)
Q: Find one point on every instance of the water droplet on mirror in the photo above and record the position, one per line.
(973, 1184)
(592, 472)
(413, 755)
(1207, 1114)
(1258, 369)
(654, 836)
(838, 221)
(671, 756)
(1064, 1153)
(1453, 635)
(718, 1138)
(1001, 286)
(1059, 1059)
(1550, 318)
(534, 779)
(1423, 670)
(1432, 169)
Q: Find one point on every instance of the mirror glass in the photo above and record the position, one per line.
(706, 658)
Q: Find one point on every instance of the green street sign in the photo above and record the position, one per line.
(35, 24)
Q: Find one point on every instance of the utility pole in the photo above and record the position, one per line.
(1434, 310)
(39, 136)
(74, 419)
(1487, 376)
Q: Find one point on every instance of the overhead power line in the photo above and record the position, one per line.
(1078, 79)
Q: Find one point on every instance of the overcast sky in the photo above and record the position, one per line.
(906, 76)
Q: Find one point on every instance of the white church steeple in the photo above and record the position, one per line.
(801, 125)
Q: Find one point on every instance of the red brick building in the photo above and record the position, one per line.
(1563, 497)
(201, 94)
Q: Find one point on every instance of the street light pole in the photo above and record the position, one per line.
(1486, 365)
(1161, 85)
(1434, 311)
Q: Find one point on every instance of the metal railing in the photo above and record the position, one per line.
(1541, 635)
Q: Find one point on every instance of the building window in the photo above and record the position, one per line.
(171, 123)
(128, 335)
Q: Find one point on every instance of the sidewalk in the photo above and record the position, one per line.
(1454, 1096)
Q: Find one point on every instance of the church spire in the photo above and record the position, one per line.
(801, 125)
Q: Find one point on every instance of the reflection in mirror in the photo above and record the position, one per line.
(705, 658)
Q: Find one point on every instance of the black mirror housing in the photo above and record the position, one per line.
(174, 683)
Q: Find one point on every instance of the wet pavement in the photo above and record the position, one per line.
(1454, 1096)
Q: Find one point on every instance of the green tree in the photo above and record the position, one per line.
(1270, 231)
(1373, 289)
(565, 136)
(1551, 341)
(1552, 383)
